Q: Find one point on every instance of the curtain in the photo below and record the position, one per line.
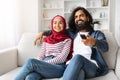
(9, 23)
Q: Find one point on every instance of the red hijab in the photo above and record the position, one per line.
(56, 37)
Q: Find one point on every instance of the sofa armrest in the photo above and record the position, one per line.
(8, 60)
(117, 69)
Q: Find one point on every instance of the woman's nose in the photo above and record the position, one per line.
(57, 24)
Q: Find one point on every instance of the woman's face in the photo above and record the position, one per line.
(80, 17)
(58, 24)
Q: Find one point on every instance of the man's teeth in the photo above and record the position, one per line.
(79, 22)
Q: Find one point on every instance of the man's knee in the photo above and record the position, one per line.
(78, 57)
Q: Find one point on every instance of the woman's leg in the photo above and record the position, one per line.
(33, 76)
(48, 70)
(43, 68)
(77, 64)
(25, 70)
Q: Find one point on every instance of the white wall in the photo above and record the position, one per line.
(17, 17)
(112, 16)
(117, 21)
(29, 15)
(10, 23)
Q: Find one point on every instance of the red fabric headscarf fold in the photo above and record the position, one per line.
(56, 37)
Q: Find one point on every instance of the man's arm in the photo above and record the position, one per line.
(47, 33)
(101, 42)
(41, 34)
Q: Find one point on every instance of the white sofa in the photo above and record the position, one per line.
(12, 59)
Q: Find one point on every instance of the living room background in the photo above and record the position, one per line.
(20, 16)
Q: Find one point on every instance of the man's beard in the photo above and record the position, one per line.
(84, 26)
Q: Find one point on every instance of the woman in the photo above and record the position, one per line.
(54, 54)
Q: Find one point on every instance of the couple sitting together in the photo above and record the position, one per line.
(73, 54)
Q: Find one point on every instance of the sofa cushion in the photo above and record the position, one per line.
(110, 76)
(26, 48)
(11, 75)
(110, 56)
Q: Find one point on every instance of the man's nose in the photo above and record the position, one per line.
(79, 18)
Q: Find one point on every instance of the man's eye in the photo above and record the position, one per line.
(82, 15)
(75, 17)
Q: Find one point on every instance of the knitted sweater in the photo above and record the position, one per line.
(59, 50)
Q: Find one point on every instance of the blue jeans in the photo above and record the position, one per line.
(35, 69)
(80, 68)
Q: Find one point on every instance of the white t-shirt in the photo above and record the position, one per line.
(80, 48)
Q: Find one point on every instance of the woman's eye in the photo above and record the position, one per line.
(54, 23)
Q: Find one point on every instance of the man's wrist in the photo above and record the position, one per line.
(94, 42)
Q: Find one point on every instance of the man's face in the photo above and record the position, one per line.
(80, 17)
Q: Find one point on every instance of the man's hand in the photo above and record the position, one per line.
(89, 41)
(39, 37)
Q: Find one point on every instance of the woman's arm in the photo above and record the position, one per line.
(42, 53)
(61, 57)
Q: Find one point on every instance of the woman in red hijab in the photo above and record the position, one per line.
(54, 54)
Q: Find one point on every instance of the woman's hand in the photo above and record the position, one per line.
(39, 37)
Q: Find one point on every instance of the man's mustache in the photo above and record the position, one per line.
(79, 20)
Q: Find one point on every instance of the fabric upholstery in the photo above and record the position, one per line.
(27, 49)
(11, 75)
(109, 76)
(8, 60)
(117, 70)
(110, 56)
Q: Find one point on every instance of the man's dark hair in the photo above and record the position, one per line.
(71, 22)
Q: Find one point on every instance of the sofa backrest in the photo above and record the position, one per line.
(27, 49)
(110, 56)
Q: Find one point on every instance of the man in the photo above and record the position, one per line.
(87, 61)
